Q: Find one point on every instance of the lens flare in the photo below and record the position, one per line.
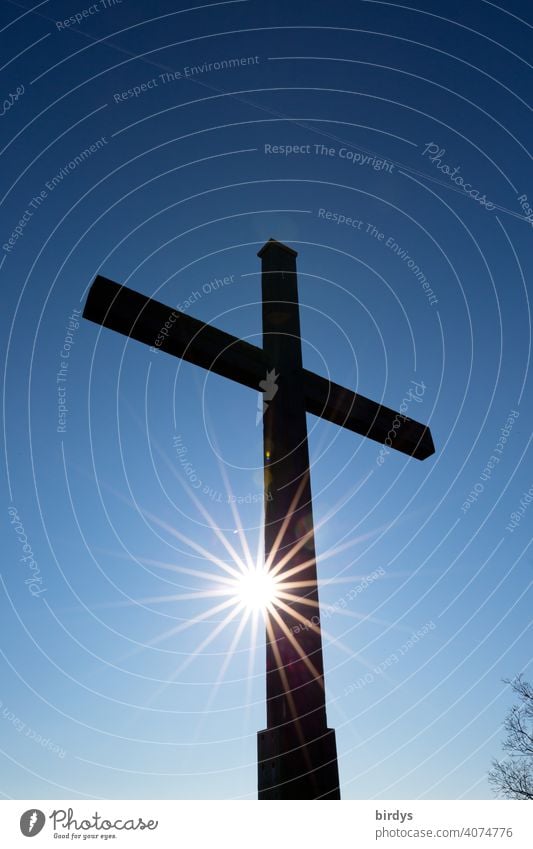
(256, 589)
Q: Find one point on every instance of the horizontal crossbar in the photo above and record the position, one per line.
(361, 415)
(157, 325)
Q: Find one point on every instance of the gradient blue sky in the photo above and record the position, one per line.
(181, 192)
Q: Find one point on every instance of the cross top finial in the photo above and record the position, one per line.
(273, 243)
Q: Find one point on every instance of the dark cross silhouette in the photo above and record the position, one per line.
(297, 755)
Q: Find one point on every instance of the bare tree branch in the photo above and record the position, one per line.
(513, 778)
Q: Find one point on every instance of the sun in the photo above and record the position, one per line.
(256, 589)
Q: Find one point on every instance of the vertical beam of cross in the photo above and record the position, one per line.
(297, 756)
(297, 752)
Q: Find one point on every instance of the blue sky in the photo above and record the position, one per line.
(366, 111)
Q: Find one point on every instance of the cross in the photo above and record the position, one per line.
(297, 755)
